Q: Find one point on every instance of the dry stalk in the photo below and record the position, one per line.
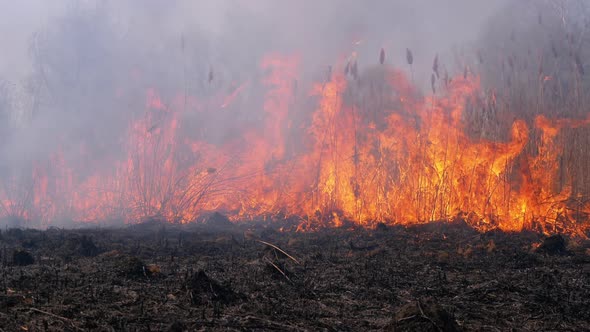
(279, 249)
(428, 318)
(67, 320)
(277, 268)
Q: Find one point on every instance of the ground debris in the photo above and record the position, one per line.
(131, 267)
(423, 316)
(168, 277)
(553, 245)
(218, 220)
(22, 258)
(203, 289)
(81, 246)
(10, 300)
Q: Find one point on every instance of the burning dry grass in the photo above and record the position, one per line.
(371, 149)
(378, 152)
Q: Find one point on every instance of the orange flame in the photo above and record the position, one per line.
(408, 160)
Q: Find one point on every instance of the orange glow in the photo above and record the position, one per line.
(410, 161)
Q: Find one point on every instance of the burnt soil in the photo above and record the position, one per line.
(255, 277)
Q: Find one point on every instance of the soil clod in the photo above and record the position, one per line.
(218, 220)
(22, 258)
(424, 316)
(553, 245)
(132, 267)
(203, 289)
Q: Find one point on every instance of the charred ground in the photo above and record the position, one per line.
(162, 277)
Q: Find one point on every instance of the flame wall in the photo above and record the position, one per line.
(367, 148)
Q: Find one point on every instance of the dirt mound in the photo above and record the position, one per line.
(22, 258)
(423, 316)
(177, 327)
(130, 267)
(553, 245)
(381, 227)
(204, 289)
(81, 246)
(218, 220)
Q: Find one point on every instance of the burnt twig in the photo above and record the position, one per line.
(67, 320)
(279, 249)
(277, 268)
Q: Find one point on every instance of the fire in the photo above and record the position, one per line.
(371, 150)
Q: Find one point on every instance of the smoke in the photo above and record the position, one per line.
(325, 28)
(72, 54)
(79, 71)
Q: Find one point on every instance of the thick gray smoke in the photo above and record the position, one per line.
(63, 61)
(77, 72)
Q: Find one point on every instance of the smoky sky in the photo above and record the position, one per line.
(65, 58)
(425, 26)
(75, 73)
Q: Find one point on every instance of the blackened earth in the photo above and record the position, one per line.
(259, 277)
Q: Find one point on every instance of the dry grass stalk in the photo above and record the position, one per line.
(435, 66)
(409, 56)
(277, 268)
(354, 71)
(432, 82)
(279, 249)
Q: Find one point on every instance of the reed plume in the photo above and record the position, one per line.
(409, 56)
(435, 66)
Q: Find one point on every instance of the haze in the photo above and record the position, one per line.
(75, 74)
